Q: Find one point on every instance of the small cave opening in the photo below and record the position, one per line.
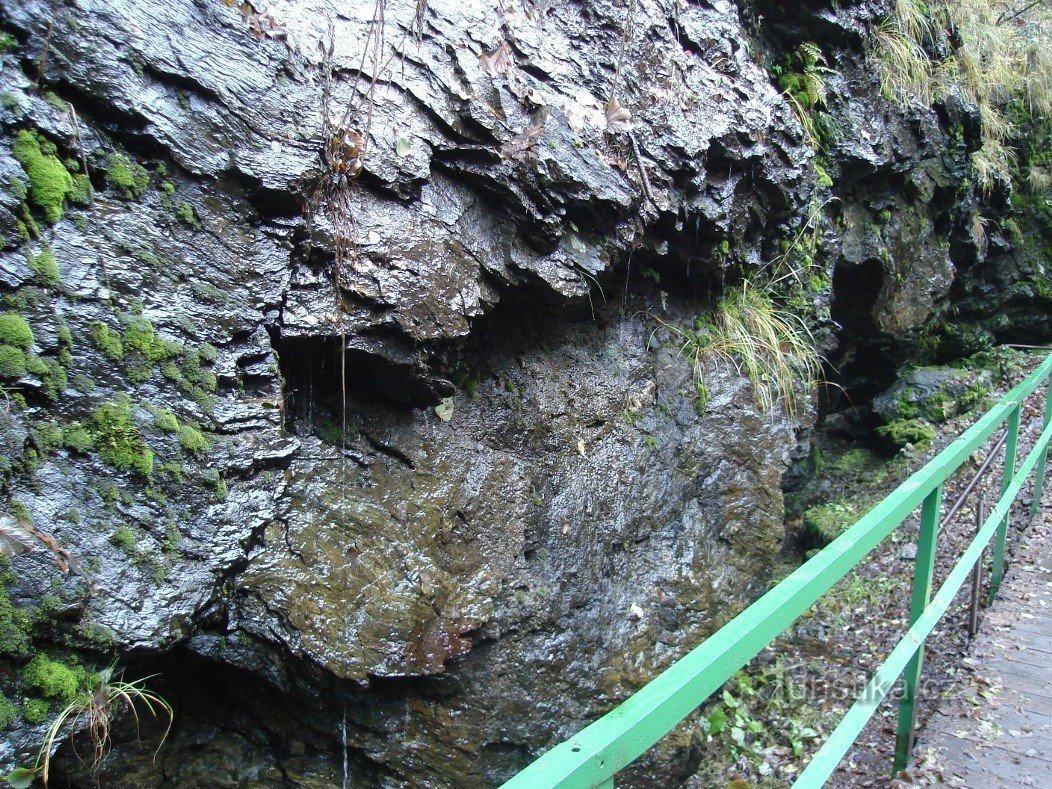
(310, 371)
(863, 364)
(855, 291)
(317, 381)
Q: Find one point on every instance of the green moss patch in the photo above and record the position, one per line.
(54, 680)
(193, 440)
(128, 178)
(35, 711)
(186, 214)
(825, 523)
(49, 180)
(108, 341)
(140, 337)
(77, 438)
(124, 539)
(8, 712)
(118, 440)
(12, 363)
(15, 331)
(45, 267)
(907, 431)
(16, 626)
(165, 420)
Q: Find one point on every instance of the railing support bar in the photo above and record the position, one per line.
(997, 572)
(922, 578)
(977, 574)
(1039, 475)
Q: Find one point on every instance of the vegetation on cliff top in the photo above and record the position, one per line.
(1000, 59)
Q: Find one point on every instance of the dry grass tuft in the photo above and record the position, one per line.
(770, 346)
(1002, 63)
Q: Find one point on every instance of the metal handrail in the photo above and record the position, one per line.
(597, 752)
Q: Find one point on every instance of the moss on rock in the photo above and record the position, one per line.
(35, 711)
(45, 267)
(8, 712)
(127, 177)
(77, 438)
(16, 625)
(907, 431)
(185, 213)
(193, 440)
(140, 337)
(118, 440)
(108, 341)
(15, 331)
(49, 181)
(12, 363)
(165, 420)
(825, 523)
(124, 539)
(54, 680)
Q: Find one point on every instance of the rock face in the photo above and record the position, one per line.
(354, 402)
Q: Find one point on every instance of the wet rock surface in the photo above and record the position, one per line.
(402, 478)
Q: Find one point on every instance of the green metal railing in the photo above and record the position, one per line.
(595, 754)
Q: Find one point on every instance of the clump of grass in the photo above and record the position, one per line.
(771, 347)
(907, 73)
(94, 711)
(1001, 62)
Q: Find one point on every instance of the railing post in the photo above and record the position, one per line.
(997, 571)
(1039, 475)
(922, 576)
(977, 572)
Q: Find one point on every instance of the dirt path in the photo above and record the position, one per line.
(787, 701)
(995, 728)
(869, 762)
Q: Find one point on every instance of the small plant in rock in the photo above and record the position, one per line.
(802, 79)
(998, 57)
(771, 347)
(94, 711)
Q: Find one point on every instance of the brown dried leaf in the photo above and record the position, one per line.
(14, 538)
(617, 117)
(521, 143)
(17, 535)
(58, 553)
(498, 60)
